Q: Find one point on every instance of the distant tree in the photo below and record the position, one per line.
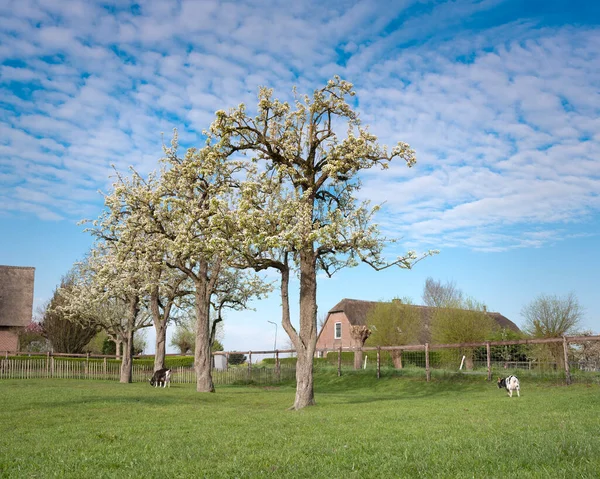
(109, 347)
(139, 342)
(184, 337)
(513, 352)
(237, 358)
(439, 295)
(588, 353)
(66, 334)
(393, 324)
(107, 293)
(32, 339)
(461, 322)
(96, 345)
(321, 319)
(551, 316)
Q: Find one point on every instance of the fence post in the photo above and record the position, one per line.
(378, 362)
(48, 364)
(249, 365)
(566, 353)
(427, 371)
(340, 361)
(277, 366)
(489, 361)
(87, 366)
(226, 361)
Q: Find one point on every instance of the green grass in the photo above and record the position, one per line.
(361, 427)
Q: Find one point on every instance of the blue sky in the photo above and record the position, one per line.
(500, 100)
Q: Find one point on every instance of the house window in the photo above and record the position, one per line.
(338, 331)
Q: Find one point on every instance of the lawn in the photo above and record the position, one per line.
(361, 427)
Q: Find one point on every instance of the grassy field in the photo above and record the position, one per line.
(361, 427)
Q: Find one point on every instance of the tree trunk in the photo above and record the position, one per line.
(469, 361)
(160, 326)
(556, 350)
(202, 356)
(359, 335)
(308, 331)
(397, 358)
(127, 360)
(304, 380)
(161, 340)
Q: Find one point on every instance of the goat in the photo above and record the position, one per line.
(511, 383)
(162, 376)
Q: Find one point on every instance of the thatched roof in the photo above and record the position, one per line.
(16, 295)
(357, 311)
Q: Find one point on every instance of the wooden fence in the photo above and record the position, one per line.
(566, 345)
(91, 368)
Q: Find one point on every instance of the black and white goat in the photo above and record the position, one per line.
(161, 377)
(511, 383)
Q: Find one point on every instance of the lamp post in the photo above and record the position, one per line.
(275, 345)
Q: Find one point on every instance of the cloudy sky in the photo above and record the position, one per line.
(500, 100)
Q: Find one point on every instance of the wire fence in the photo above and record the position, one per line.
(568, 359)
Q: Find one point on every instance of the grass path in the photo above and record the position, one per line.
(360, 427)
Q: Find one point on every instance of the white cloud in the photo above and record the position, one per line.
(504, 120)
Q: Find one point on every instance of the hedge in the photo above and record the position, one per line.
(409, 358)
(292, 361)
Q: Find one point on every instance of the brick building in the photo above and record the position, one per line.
(353, 312)
(16, 304)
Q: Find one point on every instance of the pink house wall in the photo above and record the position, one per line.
(327, 339)
(9, 340)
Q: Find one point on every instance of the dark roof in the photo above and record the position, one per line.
(356, 311)
(16, 295)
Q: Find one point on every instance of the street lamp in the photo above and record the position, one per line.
(275, 346)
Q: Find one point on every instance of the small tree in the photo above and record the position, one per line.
(551, 316)
(32, 339)
(66, 334)
(439, 295)
(465, 322)
(183, 339)
(237, 358)
(393, 324)
(107, 293)
(506, 353)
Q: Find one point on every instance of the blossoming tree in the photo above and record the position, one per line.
(301, 211)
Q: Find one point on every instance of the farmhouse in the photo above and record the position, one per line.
(354, 312)
(16, 304)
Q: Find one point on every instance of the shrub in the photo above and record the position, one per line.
(237, 358)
